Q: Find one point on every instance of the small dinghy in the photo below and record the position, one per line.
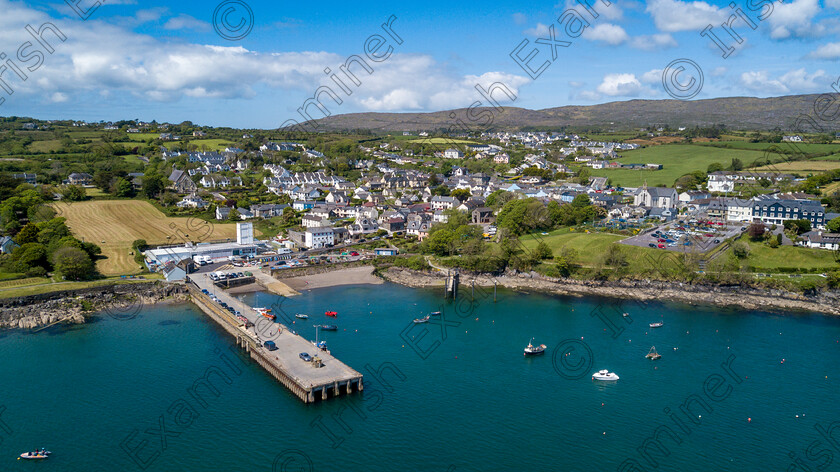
(35, 455)
(658, 324)
(329, 327)
(302, 316)
(424, 319)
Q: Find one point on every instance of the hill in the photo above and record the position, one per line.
(734, 112)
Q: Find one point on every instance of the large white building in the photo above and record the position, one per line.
(721, 182)
(318, 237)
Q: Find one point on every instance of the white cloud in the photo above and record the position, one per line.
(540, 31)
(520, 18)
(606, 33)
(793, 82)
(181, 22)
(588, 95)
(653, 41)
(719, 71)
(652, 77)
(826, 51)
(625, 85)
(141, 66)
(671, 16)
(794, 19)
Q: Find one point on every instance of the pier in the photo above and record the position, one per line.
(307, 380)
(451, 284)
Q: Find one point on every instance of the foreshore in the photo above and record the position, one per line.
(362, 275)
(723, 296)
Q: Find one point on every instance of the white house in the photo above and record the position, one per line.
(452, 153)
(656, 197)
(317, 237)
(721, 182)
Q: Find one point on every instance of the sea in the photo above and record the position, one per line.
(164, 389)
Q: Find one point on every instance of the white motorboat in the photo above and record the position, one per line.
(658, 324)
(604, 375)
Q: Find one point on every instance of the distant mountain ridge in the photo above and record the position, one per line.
(734, 112)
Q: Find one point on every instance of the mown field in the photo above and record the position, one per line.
(784, 146)
(763, 258)
(677, 160)
(812, 165)
(440, 141)
(115, 224)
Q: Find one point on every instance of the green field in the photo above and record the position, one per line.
(763, 258)
(784, 146)
(614, 137)
(676, 159)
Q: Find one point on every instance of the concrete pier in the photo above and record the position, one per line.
(302, 378)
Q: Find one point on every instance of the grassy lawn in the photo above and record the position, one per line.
(676, 160)
(45, 146)
(45, 286)
(766, 259)
(614, 137)
(115, 224)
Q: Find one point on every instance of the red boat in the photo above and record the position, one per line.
(331, 313)
(269, 316)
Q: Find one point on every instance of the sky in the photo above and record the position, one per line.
(254, 64)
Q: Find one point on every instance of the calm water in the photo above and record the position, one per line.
(463, 400)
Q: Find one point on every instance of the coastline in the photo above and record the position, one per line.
(362, 275)
(722, 296)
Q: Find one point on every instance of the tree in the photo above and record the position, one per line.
(74, 193)
(28, 234)
(461, 194)
(736, 164)
(798, 226)
(756, 231)
(741, 250)
(714, 167)
(152, 185)
(498, 199)
(542, 251)
(73, 264)
(583, 175)
(834, 225)
(234, 215)
(123, 188)
(614, 257)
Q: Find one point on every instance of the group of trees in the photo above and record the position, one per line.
(528, 215)
(50, 246)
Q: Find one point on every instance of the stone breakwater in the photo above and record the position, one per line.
(725, 296)
(74, 306)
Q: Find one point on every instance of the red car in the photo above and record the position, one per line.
(660, 240)
(661, 246)
(354, 253)
(709, 235)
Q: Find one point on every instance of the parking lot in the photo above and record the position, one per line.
(698, 237)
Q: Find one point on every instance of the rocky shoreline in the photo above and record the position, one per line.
(120, 301)
(827, 302)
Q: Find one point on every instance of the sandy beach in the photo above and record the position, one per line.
(352, 276)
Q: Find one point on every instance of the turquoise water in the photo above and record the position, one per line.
(94, 393)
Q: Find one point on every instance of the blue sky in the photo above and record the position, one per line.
(165, 60)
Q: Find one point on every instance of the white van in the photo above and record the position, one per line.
(284, 250)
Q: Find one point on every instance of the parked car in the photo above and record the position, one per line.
(717, 241)
(305, 356)
(354, 253)
(661, 246)
(652, 245)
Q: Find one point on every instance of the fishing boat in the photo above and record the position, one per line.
(424, 319)
(302, 316)
(531, 350)
(658, 324)
(266, 312)
(331, 313)
(329, 327)
(604, 375)
(652, 354)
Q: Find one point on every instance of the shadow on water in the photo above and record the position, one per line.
(169, 323)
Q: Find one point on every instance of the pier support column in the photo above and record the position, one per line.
(310, 397)
(360, 385)
(324, 392)
(349, 387)
(336, 390)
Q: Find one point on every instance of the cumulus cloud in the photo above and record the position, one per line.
(150, 69)
(624, 85)
(652, 77)
(672, 16)
(607, 33)
(826, 51)
(794, 81)
(539, 31)
(794, 19)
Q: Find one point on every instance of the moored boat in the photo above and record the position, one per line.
(329, 327)
(652, 354)
(331, 313)
(425, 319)
(35, 455)
(531, 350)
(302, 316)
(658, 324)
(604, 375)
(434, 313)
